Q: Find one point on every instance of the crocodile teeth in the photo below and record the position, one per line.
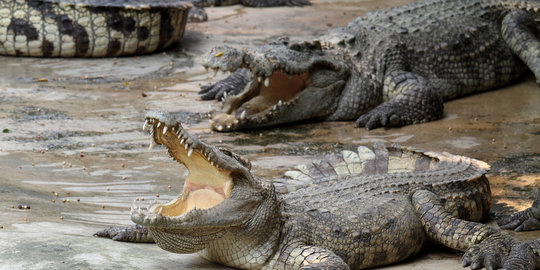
(280, 103)
(158, 124)
(152, 144)
(182, 141)
(185, 146)
(190, 151)
(266, 82)
(164, 130)
(160, 209)
(259, 79)
(145, 125)
(243, 114)
(139, 210)
(215, 71)
(212, 163)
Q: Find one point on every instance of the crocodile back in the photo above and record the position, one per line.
(90, 28)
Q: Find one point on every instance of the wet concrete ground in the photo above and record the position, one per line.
(72, 148)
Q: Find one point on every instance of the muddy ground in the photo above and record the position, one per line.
(72, 148)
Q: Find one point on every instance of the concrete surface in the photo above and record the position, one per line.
(72, 147)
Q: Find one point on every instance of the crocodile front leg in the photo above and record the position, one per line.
(132, 233)
(410, 99)
(232, 85)
(518, 30)
(526, 220)
(299, 256)
(485, 246)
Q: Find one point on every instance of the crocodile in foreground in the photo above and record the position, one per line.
(391, 67)
(355, 210)
(99, 28)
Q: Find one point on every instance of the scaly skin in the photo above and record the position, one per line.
(102, 28)
(391, 67)
(85, 28)
(353, 210)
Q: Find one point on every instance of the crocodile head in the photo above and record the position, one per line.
(219, 193)
(290, 83)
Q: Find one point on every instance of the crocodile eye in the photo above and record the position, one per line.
(240, 159)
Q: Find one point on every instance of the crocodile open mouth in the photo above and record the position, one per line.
(206, 185)
(262, 97)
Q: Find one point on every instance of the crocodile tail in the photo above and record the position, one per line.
(367, 161)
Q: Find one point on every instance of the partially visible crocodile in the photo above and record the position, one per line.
(89, 28)
(391, 67)
(99, 28)
(358, 209)
(197, 13)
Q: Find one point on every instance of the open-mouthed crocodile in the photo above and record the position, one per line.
(356, 209)
(100, 28)
(391, 67)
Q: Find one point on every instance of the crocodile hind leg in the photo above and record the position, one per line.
(485, 246)
(133, 233)
(410, 99)
(520, 31)
(526, 220)
(231, 85)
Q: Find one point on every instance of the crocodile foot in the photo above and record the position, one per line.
(133, 233)
(501, 251)
(197, 14)
(384, 116)
(232, 85)
(490, 253)
(520, 221)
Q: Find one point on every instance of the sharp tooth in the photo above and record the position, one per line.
(220, 128)
(259, 78)
(280, 103)
(266, 82)
(152, 144)
(158, 124)
(215, 71)
(182, 141)
(229, 126)
(186, 146)
(139, 210)
(189, 152)
(160, 209)
(225, 95)
(164, 130)
(212, 163)
(243, 114)
(145, 125)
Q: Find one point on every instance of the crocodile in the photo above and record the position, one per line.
(356, 209)
(89, 28)
(391, 67)
(197, 13)
(102, 28)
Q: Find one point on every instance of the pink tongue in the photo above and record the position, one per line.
(203, 199)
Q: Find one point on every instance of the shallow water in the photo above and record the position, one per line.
(77, 139)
